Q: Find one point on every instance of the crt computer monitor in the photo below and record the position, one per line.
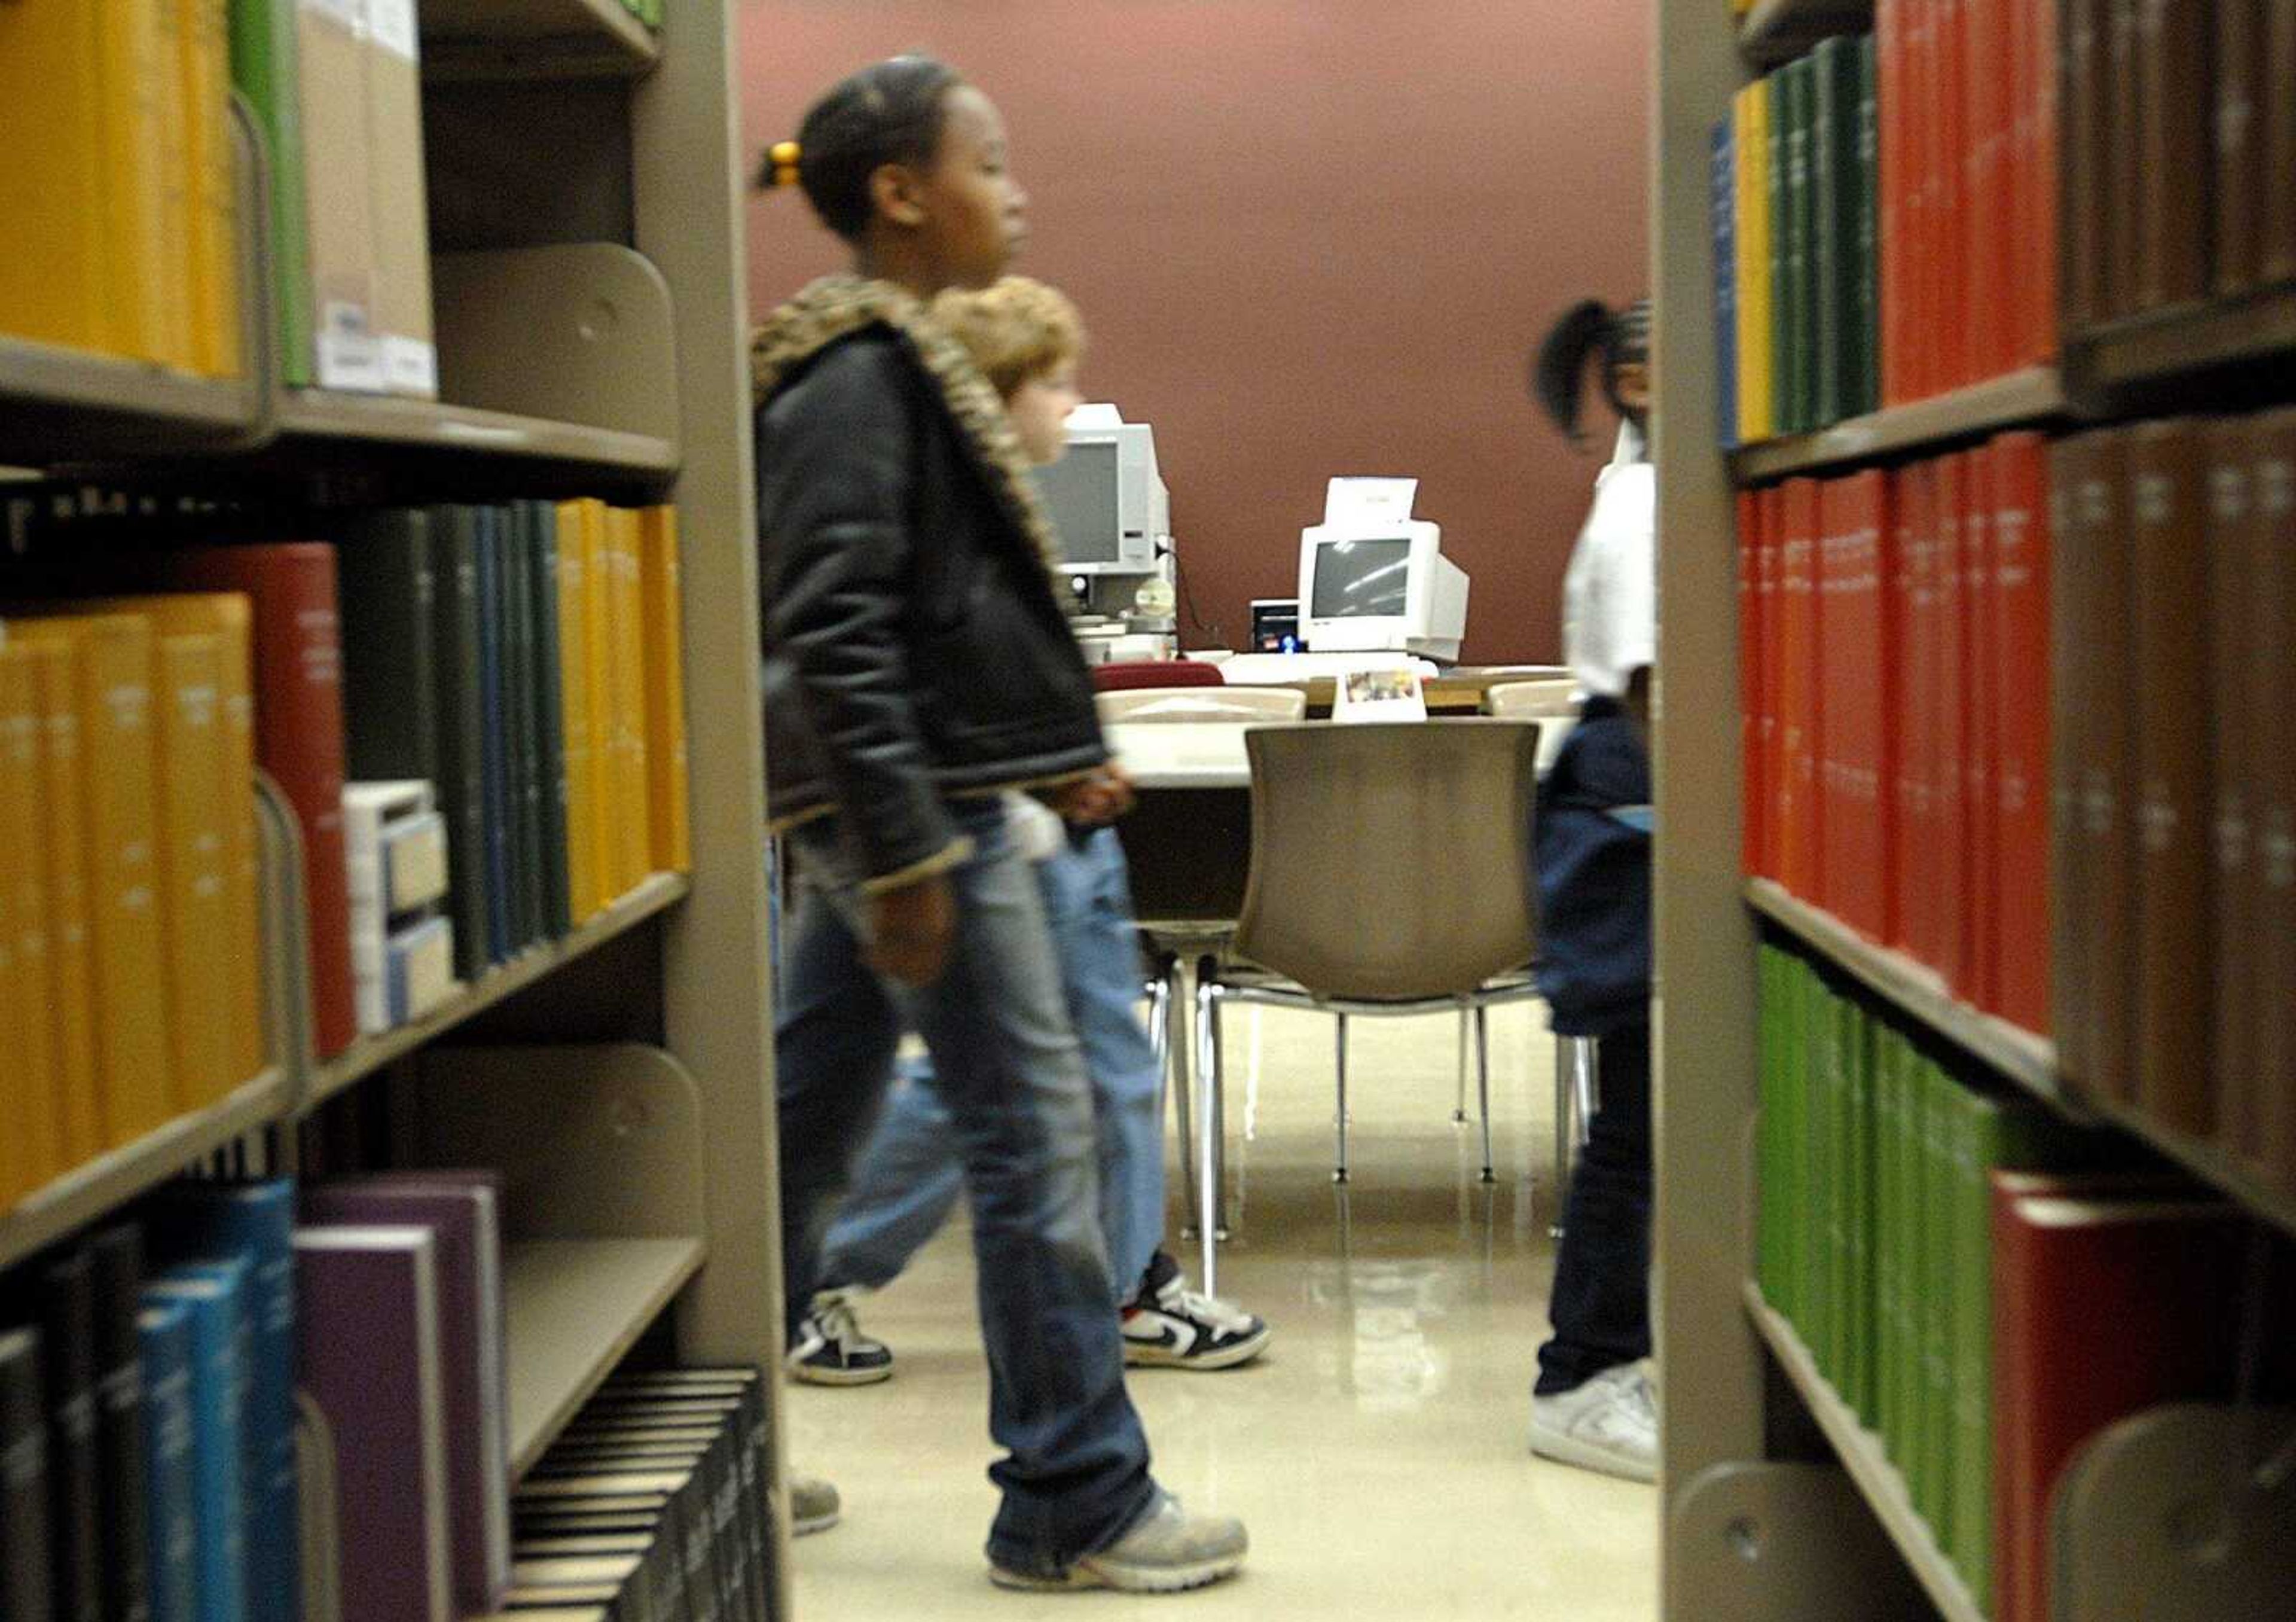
(1107, 505)
(1385, 587)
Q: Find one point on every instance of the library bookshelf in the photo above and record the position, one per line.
(1779, 1501)
(634, 1132)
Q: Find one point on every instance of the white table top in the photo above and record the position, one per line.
(1183, 754)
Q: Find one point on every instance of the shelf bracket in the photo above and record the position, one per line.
(1750, 1541)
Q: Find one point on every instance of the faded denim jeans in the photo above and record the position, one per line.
(1008, 1068)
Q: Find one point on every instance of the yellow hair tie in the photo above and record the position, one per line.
(781, 163)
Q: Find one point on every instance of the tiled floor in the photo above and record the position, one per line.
(1378, 1453)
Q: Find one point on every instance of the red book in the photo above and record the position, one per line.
(1918, 488)
(1980, 656)
(2272, 692)
(1749, 682)
(1800, 708)
(1919, 203)
(1952, 730)
(1986, 211)
(2022, 548)
(1878, 784)
(2242, 562)
(299, 722)
(1832, 714)
(2038, 272)
(1772, 505)
(1953, 271)
(1902, 745)
(2102, 1307)
(1891, 129)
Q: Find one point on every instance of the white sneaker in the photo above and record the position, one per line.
(1177, 1328)
(1167, 1551)
(1610, 1424)
(830, 1348)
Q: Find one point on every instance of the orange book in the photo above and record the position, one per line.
(598, 648)
(62, 795)
(1771, 506)
(1980, 652)
(117, 731)
(1827, 732)
(634, 843)
(1804, 808)
(669, 792)
(2038, 272)
(574, 586)
(194, 746)
(1751, 788)
(229, 616)
(1950, 741)
(2021, 709)
(26, 983)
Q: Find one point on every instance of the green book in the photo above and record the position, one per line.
(1889, 1121)
(1770, 1185)
(388, 598)
(1836, 181)
(1802, 255)
(1842, 1150)
(1858, 1344)
(1818, 1280)
(1800, 1243)
(1781, 218)
(1941, 1126)
(462, 722)
(1868, 272)
(264, 70)
(518, 717)
(549, 716)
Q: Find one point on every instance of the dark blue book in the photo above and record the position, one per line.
(495, 742)
(1725, 283)
(254, 1225)
(117, 1253)
(25, 1586)
(67, 1289)
(219, 1295)
(171, 1486)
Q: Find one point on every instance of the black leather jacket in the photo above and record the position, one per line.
(914, 645)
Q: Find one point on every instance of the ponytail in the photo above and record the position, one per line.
(1559, 373)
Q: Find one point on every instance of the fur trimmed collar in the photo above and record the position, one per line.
(837, 307)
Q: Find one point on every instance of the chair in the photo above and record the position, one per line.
(1554, 702)
(1423, 826)
(1169, 938)
(1124, 677)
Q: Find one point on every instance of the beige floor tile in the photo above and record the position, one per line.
(1378, 1453)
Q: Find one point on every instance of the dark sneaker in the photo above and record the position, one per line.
(1167, 1551)
(814, 1505)
(830, 1348)
(1169, 1326)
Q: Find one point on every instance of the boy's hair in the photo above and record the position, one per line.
(890, 112)
(1622, 338)
(1018, 330)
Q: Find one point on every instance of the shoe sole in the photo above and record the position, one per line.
(1087, 1575)
(1139, 1355)
(805, 1527)
(813, 1376)
(1586, 1455)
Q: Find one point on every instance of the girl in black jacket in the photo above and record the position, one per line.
(917, 664)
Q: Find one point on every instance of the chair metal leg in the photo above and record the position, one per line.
(1459, 1105)
(1339, 1026)
(1483, 1083)
(1179, 1032)
(1589, 1084)
(1208, 1149)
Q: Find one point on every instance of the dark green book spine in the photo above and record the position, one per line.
(1836, 171)
(67, 1337)
(462, 738)
(550, 719)
(388, 598)
(1781, 229)
(517, 721)
(1867, 397)
(1801, 254)
(26, 1582)
(116, 1254)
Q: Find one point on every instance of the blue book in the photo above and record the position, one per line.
(1726, 282)
(490, 722)
(171, 1490)
(219, 1296)
(255, 1223)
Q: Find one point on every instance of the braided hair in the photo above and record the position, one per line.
(890, 112)
(1558, 372)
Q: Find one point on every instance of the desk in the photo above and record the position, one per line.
(1461, 691)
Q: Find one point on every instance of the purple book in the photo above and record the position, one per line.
(369, 1329)
(461, 1209)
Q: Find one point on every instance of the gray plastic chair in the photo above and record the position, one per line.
(1390, 874)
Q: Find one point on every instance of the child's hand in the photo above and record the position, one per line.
(911, 930)
(1096, 801)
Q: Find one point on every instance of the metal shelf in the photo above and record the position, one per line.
(1918, 992)
(369, 1053)
(111, 1180)
(576, 1307)
(535, 39)
(2019, 397)
(2204, 1160)
(316, 417)
(2171, 343)
(1779, 30)
(1862, 1455)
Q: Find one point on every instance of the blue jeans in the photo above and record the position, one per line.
(909, 1177)
(1010, 1071)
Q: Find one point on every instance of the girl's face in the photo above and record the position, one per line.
(1040, 410)
(972, 214)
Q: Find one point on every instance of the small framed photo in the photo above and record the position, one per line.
(1380, 695)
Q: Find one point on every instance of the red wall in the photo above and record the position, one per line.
(1308, 238)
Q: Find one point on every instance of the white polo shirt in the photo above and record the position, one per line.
(1610, 594)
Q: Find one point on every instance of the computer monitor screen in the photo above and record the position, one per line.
(1355, 579)
(1081, 491)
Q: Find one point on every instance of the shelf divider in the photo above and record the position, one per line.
(2034, 395)
(576, 1307)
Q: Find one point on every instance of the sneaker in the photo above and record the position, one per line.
(1167, 1551)
(1169, 1326)
(1610, 1424)
(830, 1349)
(814, 1505)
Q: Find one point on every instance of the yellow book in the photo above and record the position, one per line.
(228, 616)
(117, 731)
(597, 670)
(194, 746)
(71, 946)
(25, 963)
(668, 795)
(179, 189)
(633, 835)
(138, 264)
(1750, 130)
(204, 30)
(574, 587)
(52, 187)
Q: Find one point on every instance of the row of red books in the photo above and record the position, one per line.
(1895, 676)
(1968, 206)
